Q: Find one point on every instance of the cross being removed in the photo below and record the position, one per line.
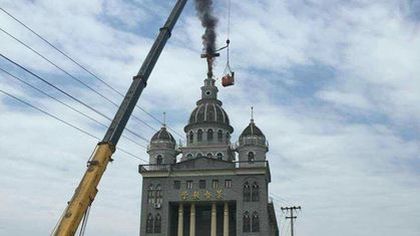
(210, 58)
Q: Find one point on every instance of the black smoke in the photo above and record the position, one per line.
(209, 22)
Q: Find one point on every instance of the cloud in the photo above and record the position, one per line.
(334, 85)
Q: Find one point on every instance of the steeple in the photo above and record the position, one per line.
(209, 92)
(164, 120)
(252, 114)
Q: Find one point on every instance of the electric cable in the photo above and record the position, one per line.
(73, 77)
(69, 95)
(66, 105)
(65, 122)
(84, 68)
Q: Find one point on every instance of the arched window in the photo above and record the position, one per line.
(199, 135)
(210, 135)
(189, 156)
(150, 194)
(220, 136)
(251, 157)
(158, 194)
(199, 155)
(246, 221)
(149, 224)
(159, 160)
(255, 222)
(191, 137)
(247, 192)
(209, 155)
(220, 156)
(255, 192)
(158, 224)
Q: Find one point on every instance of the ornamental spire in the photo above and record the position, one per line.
(252, 114)
(164, 120)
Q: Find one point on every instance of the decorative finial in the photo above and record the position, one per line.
(164, 119)
(252, 114)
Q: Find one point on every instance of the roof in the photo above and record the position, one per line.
(163, 135)
(252, 130)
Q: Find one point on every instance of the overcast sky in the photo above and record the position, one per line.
(335, 85)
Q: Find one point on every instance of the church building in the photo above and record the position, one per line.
(210, 186)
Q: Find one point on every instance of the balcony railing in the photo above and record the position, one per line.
(237, 164)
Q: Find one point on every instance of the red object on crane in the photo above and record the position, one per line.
(228, 79)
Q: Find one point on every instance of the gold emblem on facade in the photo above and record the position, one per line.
(219, 194)
(184, 195)
(196, 195)
(207, 195)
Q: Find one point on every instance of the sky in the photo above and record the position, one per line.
(334, 85)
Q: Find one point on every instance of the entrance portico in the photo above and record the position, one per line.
(205, 219)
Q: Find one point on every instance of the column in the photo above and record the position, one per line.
(213, 220)
(181, 220)
(226, 219)
(192, 220)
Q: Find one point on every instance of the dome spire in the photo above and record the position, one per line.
(252, 114)
(164, 119)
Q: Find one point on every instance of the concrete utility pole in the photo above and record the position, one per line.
(291, 217)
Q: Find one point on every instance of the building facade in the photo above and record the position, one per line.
(209, 187)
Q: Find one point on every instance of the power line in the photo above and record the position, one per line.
(84, 68)
(64, 122)
(65, 104)
(72, 76)
(69, 95)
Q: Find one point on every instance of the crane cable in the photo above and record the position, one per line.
(85, 219)
(227, 69)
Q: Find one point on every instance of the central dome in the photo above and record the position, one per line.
(209, 109)
(209, 113)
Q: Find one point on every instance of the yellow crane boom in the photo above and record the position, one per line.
(86, 191)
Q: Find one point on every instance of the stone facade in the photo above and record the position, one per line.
(210, 191)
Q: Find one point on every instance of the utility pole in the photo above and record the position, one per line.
(291, 217)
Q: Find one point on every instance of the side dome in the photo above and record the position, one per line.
(252, 135)
(163, 137)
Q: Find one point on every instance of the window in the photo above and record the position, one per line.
(191, 137)
(202, 184)
(199, 155)
(255, 192)
(246, 221)
(215, 183)
(220, 136)
(189, 184)
(210, 135)
(247, 192)
(228, 183)
(150, 194)
(251, 157)
(209, 155)
(149, 224)
(158, 194)
(219, 156)
(159, 160)
(199, 135)
(158, 224)
(189, 156)
(255, 222)
(177, 184)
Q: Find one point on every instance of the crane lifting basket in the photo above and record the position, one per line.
(228, 78)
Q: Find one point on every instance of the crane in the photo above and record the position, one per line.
(87, 189)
